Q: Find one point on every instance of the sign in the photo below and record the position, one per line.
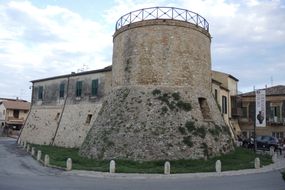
(260, 109)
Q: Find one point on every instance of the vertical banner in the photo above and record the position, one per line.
(260, 109)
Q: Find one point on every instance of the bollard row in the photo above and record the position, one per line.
(112, 166)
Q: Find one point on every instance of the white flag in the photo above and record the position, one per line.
(260, 108)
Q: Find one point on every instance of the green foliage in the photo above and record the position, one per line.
(188, 141)
(172, 101)
(226, 130)
(59, 155)
(190, 125)
(184, 105)
(164, 109)
(176, 96)
(182, 130)
(215, 131)
(236, 160)
(156, 92)
(201, 132)
(164, 98)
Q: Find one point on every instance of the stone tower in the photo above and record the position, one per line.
(161, 105)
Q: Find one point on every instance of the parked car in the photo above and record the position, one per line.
(265, 142)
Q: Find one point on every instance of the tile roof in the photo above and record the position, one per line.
(16, 104)
(278, 90)
(106, 69)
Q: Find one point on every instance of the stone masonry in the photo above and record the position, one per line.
(161, 105)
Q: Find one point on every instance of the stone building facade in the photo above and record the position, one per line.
(64, 107)
(155, 103)
(225, 91)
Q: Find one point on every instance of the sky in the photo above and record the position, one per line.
(46, 38)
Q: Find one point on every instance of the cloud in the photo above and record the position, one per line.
(248, 39)
(44, 42)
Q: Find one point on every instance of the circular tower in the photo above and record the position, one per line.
(161, 105)
(162, 46)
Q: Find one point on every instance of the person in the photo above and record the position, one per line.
(283, 146)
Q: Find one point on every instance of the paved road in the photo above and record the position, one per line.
(18, 171)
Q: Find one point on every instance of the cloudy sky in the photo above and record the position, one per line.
(45, 38)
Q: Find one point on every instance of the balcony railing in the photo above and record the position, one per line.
(13, 120)
(169, 13)
(275, 121)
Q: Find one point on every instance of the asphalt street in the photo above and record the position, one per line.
(19, 171)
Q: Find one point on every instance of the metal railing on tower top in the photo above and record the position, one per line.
(170, 13)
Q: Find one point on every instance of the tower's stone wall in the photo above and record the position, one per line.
(162, 52)
(161, 105)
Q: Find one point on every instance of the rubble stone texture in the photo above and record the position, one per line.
(161, 105)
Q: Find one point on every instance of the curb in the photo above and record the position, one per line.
(277, 166)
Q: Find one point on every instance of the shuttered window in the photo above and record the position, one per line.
(78, 88)
(61, 90)
(95, 87)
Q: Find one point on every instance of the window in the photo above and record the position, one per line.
(3, 112)
(278, 135)
(40, 92)
(216, 94)
(88, 119)
(204, 108)
(244, 112)
(78, 88)
(94, 87)
(57, 116)
(16, 113)
(61, 90)
(275, 113)
(224, 105)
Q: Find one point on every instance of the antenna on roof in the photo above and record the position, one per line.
(83, 68)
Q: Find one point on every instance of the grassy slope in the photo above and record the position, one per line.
(239, 159)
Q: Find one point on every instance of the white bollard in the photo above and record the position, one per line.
(256, 163)
(33, 151)
(39, 155)
(46, 160)
(112, 166)
(19, 141)
(218, 166)
(25, 144)
(271, 151)
(274, 157)
(167, 168)
(28, 147)
(69, 164)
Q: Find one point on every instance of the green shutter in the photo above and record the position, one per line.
(78, 88)
(61, 90)
(40, 93)
(95, 87)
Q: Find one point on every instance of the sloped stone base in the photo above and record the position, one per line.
(160, 123)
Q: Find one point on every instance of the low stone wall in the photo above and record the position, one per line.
(41, 125)
(75, 124)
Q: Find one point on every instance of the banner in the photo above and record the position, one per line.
(260, 109)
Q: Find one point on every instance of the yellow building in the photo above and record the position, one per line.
(13, 113)
(225, 90)
(275, 113)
